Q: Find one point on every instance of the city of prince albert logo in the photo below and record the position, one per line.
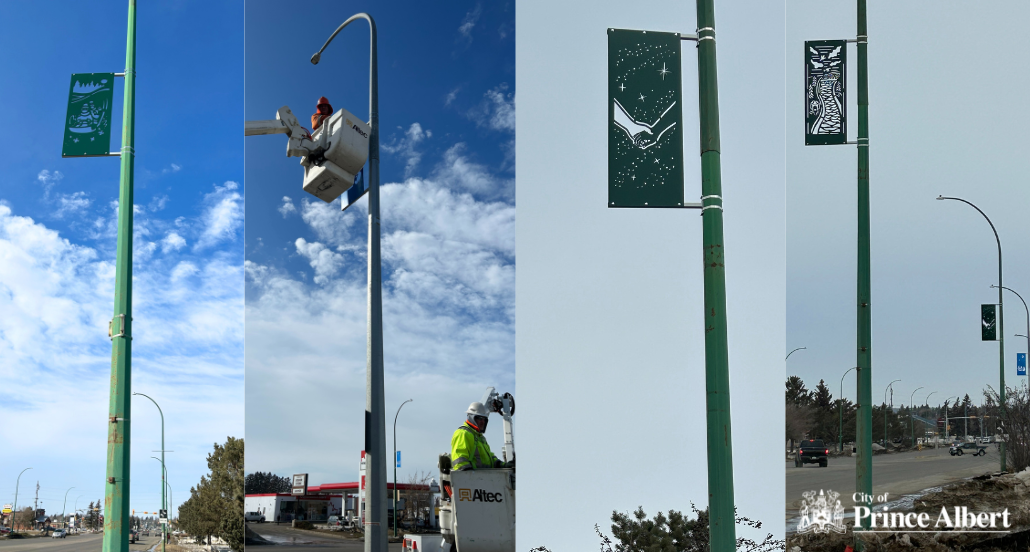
(821, 513)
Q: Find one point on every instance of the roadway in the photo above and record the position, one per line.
(86, 542)
(897, 474)
(288, 539)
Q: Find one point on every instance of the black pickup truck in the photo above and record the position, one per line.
(811, 451)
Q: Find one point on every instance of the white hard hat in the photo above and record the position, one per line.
(477, 409)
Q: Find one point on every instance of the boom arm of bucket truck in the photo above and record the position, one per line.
(505, 406)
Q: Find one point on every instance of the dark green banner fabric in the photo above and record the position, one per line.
(87, 127)
(988, 323)
(826, 112)
(645, 119)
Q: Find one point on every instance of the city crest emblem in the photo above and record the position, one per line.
(821, 513)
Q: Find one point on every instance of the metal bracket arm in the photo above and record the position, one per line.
(121, 327)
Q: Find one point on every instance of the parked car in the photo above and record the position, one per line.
(339, 523)
(254, 516)
(967, 448)
(133, 536)
(59, 534)
(812, 451)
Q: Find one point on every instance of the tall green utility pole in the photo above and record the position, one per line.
(722, 525)
(116, 499)
(864, 435)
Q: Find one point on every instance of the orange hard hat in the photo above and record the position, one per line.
(322, 100)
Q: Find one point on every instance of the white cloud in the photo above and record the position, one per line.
(461, 173)
(48, 180)
(223, 215)
(325, 262)
(469, 23)
(497, 110)
(451, 96)
(287, 208)
(173, 168)
(448, 323)
(158, 203)
(407, 147)
(71, 203)
(172, 242)
(59, 293)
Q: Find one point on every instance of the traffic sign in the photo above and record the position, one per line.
(398, 458)
(1020, 364)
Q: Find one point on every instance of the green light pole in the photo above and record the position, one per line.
(722, 524)
(395, 465)
(1001, 326)
(885, 411)
(164, 504)
(14, 512)
(116, 499)
(912, 417)
(1027, 317)
(864, 425)
(840, 434)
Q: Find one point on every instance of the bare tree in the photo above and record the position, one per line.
(799, 422)
(419, 499)
(1016, 426)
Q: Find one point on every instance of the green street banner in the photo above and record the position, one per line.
(988, 323)
(645, 119)
(825, 100)
(87, 127)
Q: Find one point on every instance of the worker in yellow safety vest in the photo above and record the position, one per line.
(469, 450)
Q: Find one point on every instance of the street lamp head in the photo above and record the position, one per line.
(939, 197)
(315, 58)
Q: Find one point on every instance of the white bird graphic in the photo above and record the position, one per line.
(635, 129)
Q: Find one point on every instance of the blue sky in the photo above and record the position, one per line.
(57, 237)
(447, 120)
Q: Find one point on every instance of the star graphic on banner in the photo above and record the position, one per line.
(634, 177)
(100, 133)
(76, 140)
(663, 71)
(622, 88)
(91, 138)
(655, 159)
(642, 97)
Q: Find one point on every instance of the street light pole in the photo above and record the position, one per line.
(1027, 336)
(885, 411)
(840, 434)
(912, 416)
(116, 492)
(14, 513)
(164, 505)
(792, 352)
(375, 416)
(947, 434)
(1001, 326)
(864, 422)
(65, 505)
(395, 465)
(934, 422)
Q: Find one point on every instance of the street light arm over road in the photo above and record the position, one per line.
(1001, 327)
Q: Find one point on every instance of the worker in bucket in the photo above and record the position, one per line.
(469, 450)
(322, 112)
